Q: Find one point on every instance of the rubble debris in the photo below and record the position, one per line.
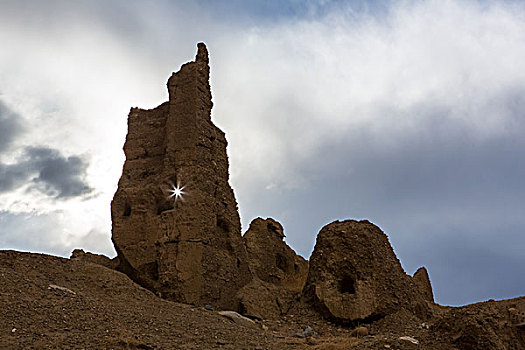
(308, 332)
(481, 326)
(80, 254)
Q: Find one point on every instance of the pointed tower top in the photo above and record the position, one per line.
(202, 53)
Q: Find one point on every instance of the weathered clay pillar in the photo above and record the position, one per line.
(186, 246)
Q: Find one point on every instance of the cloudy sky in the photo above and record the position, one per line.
(408, 113)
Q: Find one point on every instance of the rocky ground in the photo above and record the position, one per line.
(55, 303)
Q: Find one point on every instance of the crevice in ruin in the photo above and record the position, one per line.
(127, 210)
(281, 262)
(223, 224)
(165, 205)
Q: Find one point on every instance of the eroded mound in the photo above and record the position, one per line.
(355, 276)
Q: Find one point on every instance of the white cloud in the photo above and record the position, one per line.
(299, 83)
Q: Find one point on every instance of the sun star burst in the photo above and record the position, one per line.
(176, 192)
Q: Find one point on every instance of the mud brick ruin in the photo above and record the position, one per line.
(187, 248)
(177, 231)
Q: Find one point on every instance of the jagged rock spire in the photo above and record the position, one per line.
(202, 53)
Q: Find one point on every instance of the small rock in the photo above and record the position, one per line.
(311, 341)
(209, 307)
(410, 339)
(298, 335)
(387, 346)
(63, 289)
(237, 318)
(359, 332)
(264, 327)
(309, 331)
(13, 330)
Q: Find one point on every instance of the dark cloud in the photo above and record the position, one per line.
(285, 9)
(48, 171)
(466, 266)
(57, 175)
(10, 126)
(448, 196)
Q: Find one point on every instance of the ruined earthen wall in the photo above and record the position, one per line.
(187, 249)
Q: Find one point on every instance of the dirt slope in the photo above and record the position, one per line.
(107, 310)
(55, 303)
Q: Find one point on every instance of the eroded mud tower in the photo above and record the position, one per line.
(186, 246)
(355, 276)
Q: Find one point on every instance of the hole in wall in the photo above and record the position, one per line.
(347, 285)
(223, 224)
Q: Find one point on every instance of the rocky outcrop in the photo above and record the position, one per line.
(271, 259)
(99, 259)
(423, 282)
(487, 325)
(354, 275)
(279, 273)
(176, 227)
(177, 232)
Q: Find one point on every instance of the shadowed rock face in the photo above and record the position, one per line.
(355, 276)
(186, 248)
(271, 259)
(279, 273)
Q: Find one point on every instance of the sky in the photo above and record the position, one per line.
(409, 114)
